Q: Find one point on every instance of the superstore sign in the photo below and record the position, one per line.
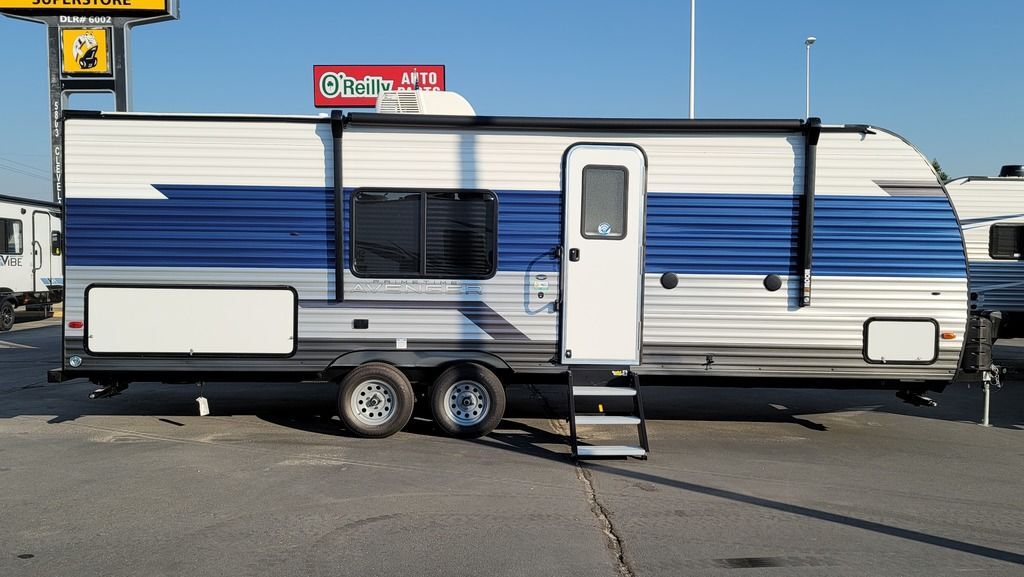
(84, 5)
(351, 86)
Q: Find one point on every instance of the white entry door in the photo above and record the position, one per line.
(602, 254)
(42, 262)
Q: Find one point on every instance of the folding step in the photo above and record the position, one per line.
(610, 451)
(607, 420)
(636, 418)
(597, 391)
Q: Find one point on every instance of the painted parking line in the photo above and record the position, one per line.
(10, 345)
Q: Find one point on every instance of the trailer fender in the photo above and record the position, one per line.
(428, 360)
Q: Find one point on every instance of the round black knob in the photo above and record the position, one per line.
(669, 280)
(772, 282)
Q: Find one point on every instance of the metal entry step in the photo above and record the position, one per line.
(596, 391)
(610, 451)
(635, 418)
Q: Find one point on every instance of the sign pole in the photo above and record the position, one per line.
(58, 101)
(88, 52)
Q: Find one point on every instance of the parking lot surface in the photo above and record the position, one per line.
(740, 482)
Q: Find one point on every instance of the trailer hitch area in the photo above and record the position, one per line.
(916, 398)
(108, 390)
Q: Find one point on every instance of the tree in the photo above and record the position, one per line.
(938, 170)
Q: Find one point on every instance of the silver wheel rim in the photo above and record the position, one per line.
(467, 403)
(373, 402)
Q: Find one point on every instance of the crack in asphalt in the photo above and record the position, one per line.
(611, 538)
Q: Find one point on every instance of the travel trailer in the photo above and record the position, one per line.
(452, 254)
(31, 249)
(991, 211)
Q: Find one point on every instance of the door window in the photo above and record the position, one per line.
(10, 236)
(604, 201)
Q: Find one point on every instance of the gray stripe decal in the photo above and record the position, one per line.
(910, 187)
(477, 312)
(983, 220)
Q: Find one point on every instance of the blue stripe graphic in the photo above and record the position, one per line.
(687, 233)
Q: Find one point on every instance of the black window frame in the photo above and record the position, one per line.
(625, 201)
(424, 194)
(3, 236)
(1020, 240)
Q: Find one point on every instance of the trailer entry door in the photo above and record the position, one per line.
(42, 264)
(602, 254)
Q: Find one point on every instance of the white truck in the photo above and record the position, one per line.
(31, 257)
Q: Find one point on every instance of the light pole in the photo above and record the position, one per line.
(807, 101)
(693, 29)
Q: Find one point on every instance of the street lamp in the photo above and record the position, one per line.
(693, 30)
(807, 101)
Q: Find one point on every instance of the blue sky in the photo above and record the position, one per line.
(944, 74)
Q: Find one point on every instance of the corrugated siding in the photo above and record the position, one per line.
(980, 203)
(721, 233)
(722, 315)
(205, 226)
(887, 236)
(758, 234)
(999, 284)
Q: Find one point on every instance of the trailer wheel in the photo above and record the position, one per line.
(375, 400)
(468, 401)
(6, 316)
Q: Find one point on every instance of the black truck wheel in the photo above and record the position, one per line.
(468, 401)
(375, 400)
(6, 315)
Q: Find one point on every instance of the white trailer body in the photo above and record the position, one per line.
(991, 212)
(751, 253)
(31, 261)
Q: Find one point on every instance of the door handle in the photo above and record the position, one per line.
(574, 254)
(37, 249)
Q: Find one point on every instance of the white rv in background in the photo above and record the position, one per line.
(991, 212)
(31, 256)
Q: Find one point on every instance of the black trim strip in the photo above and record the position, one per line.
(68, 114)
(483, 316)
(29, 201)
(629, 125)
(337, 130)
(812, 130)
(575, 124)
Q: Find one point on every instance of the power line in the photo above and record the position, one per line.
(23, 172)
(24, 166)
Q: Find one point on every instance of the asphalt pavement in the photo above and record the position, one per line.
(740, 482)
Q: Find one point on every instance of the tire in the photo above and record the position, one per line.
(467, 401)
(375, 400)
(6, 316)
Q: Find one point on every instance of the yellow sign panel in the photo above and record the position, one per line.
(85, 5)
(85, 51)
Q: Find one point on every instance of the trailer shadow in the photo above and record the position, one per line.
(307, 406)
(529, 440)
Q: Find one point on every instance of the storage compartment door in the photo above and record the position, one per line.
(191, 321)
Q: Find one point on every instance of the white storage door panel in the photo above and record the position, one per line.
(191, 320)
(901, 340)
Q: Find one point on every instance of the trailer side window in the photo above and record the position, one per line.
(386, 233)
(1005, 241)
(431, 234)
(10, 235)
(604, 201)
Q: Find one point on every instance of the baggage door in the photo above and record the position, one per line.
(41, 251)
(602, 254)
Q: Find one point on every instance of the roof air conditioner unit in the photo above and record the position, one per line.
(424, 102)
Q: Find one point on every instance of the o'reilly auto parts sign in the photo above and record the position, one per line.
(354, 86)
